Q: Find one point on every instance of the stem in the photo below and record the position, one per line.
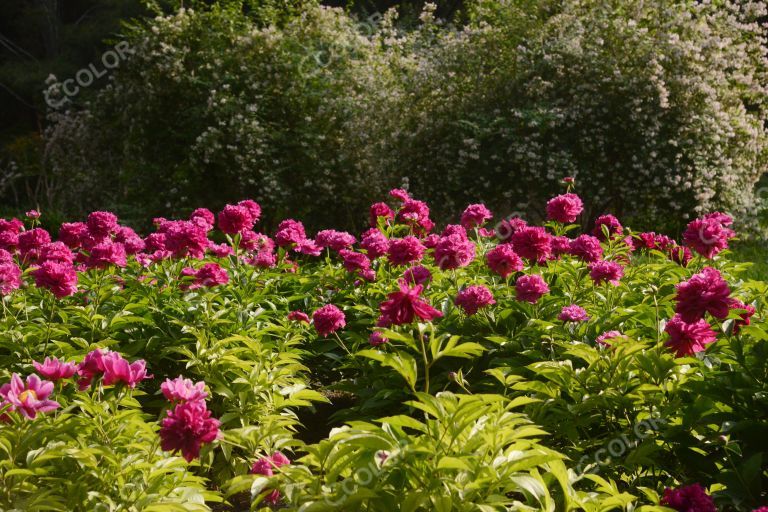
(426, 362)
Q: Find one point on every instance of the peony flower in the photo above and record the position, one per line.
(9, 233)
(573, 313)
(474, 297)
(704, 292)
(587, 248)
(430, 241)
(680, 255)
(290, 232)
(235, 219)
(117, 369)
(561, 245)
(376, 339)
(32, 214)
(31, 241)
(185, 239)
(10, 278)
(503, 260)
(401, 307)
(608, 335)
(746, 315)
(610, 222)
(298, 316)
(335, 240)
(132, 242)
(530, 288)
(155, 242)
(564, 208)
(183, 390)
(374, 243)
(417, 275)
(308, 247)
(263, 259)
(107, 253)
(59, 278)
(380, 210)
(53, 369)
(264, 466)
(688, 338)
(399, 194)
(328, 319)
(606, 271)
(253, 208)
(252, 241)
(454, 251)
(203, 216)
(354, 261)
(475, 215)
(415, 213)
(101, 224)
(708, 236)
(221, 250)
(187, 427)
(691, 498)
(91, 366)
(403, 251)
(532, 243)
(72, 233)
(30, 398)
(209, 275)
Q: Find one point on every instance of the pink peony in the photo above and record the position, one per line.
(403, 251)
(399, 194)
(10, 278)
(308, 247)
(209, 275)
(53, 369)
(587, 248)
(298, 316)
(680, 255)
(708, 235)
(155, 242)
(204, 216)
(454, 251)
(106, 254)
(376, 339)
(417, 275)
(606, 272)
(608, 335)
(704, 292)
(335, 240)
(430, 241)
(530, 288)
(374, 243)
(474, 297)
(688, 338)
(72, 233)
(32, 214)
(59, 278)
(92, 366)
(328, 319)
(235, 219)
(264, 466)
(185, 239)
(415, 213)
(503, 260)
(380, 210)
(691, 498)
(183, 390)
(30, 398)
(509, 227)
(401, 307)
(475, 215)
(253, 208)
(132, 242)
(561, 245)
(101, 224)
(221, 250)
(532, 243)
(117, 369)
(31, 241)
(252, 241)
(354, 261)
(564, 208)
(187, 427)
(610, 222)
(573, 313)
(289, 232)
(746, 315)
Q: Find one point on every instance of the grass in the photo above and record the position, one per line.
(755, 252)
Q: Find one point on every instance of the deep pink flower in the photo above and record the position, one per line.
(235, 219)
(101, 224)
(253, 208)
(252, 241)
(184, 238)
(503, 260)
(155, 242)
(430, 241)
(474, 297)
(32, 214)
(10, 278)
(530, 288)
(454, 251)
(608, 335)
(298, 316)
(204, 215)
(328, 319)
(746, 315)
(187, 427)
(30, 398)
(31, 241)
(587, 248)
(532, 243)
(376, 339)
(415, 213)
(453, 229)
(9, 233)
(183, 390)
(691, 498)
(290, 232)
(92, 365)
(573, 313)
(417, 275)
(354, 261)
(117, 369)
(403, 251)
(401, 307)
(59, 278)
(308, 247)
(221, 250)
(704, 292)
(561, 245)
(564, 208)
(611, 223)
(654, 241)
(475, 215)
(380, 210)
(335, 240)
(399, 194)
(53, 369)
(606, 271)
(5, 256)
(264, 466)
(132, 242)
(374, 243)
(209, 275)
(708, 236)
(680, 254)
(688, 338)
(263, 259)
(106, 254)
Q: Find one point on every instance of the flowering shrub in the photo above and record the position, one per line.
(411, 367)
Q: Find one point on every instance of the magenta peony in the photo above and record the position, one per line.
(53, 369)
(503, 260)
(611, 223)
(354, 261)
(532, 243)
(509, 227)
(298, 316)
(30, 398)
(380, 210)
(59, 278)
(402, 306)
(91, 367)
(376, 339)
(209, 275)
(573, 313)
(691, 498)
(745, 315)
(704, 292)
(132, 242)
(564, 208)
(688, 338)
(117, 369)
(107, 253)
(289, 232)
(454, 251)
(374, 243)
(101, 224)
(530, 288)
(31, 241)
(183, 390)
(708, 236)
(475, 215)
(187, 427)
(10, 278)
(204, 216)
(587, 248)
(403, 251)
(606, 272)
(72, 233)
(235, 219)
(308, 247)
(474, 297)
(604, 338)
(264, 466)
(400, 194)
(335, 240)
(417, 275)
(328, 319)
(253, 208)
